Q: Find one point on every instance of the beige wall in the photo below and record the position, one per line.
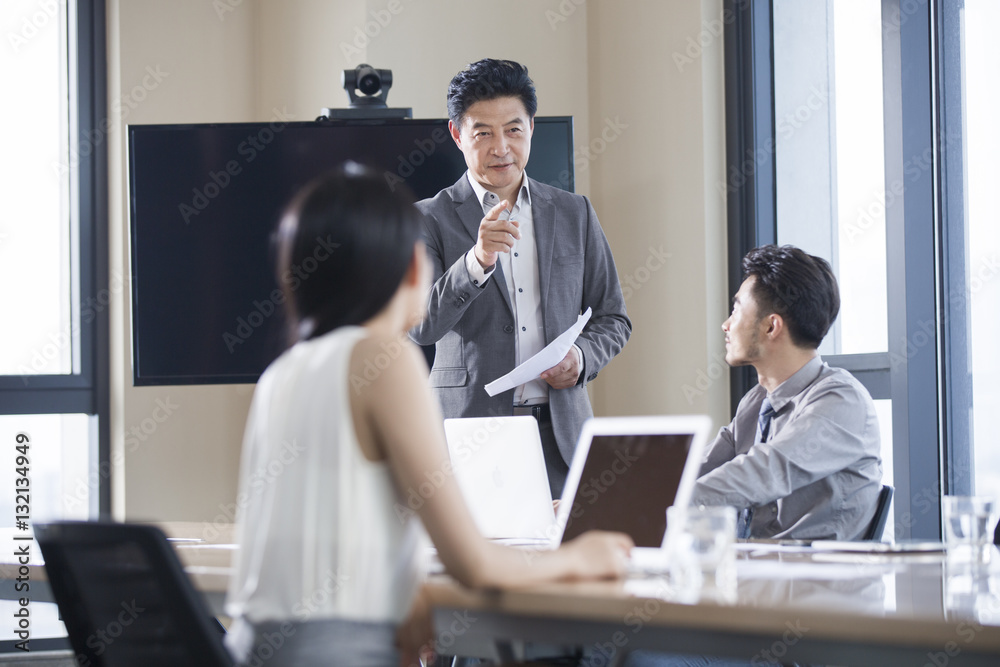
(654, 187)
(174, 448)
(648, 134)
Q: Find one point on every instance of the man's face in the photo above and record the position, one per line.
(743, 327)
(495, 136)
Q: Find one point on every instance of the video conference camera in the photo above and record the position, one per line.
(367, 89)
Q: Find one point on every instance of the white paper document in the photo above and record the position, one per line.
(550, 355)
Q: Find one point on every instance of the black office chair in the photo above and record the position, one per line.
(877, 526)
(125, 599)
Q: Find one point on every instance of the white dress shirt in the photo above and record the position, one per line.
(520, 270)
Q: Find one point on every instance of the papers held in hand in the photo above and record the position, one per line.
(550, 355)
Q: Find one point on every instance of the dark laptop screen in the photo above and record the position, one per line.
(628, 482)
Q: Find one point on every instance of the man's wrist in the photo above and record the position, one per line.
(486, 267)
(478, 274)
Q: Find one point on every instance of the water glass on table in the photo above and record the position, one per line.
(968, 527)
(706, 536)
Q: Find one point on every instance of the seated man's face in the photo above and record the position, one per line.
(495, 136)
(742, 329)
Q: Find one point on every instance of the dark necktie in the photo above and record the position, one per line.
(763, 428)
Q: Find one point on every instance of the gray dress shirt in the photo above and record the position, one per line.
(819, 474)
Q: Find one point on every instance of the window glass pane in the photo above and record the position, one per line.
(45, 620)
(982, 173)
(60, 450)
(831, 190)
(35, 246)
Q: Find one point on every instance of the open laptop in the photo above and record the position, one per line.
(627, 471)
(499, 467)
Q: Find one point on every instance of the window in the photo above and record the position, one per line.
(53, 262)
(830, 193)
(860, 131)
(53, 255)
(971, 239)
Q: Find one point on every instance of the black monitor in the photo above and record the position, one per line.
(205, 201)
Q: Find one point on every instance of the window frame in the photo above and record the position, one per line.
(918, 371)
(88, 391)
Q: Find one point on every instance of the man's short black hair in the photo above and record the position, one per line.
(489, 79)
(796, 285)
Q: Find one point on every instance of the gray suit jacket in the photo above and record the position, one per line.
(473, 327)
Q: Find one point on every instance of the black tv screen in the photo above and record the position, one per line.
(205, 201)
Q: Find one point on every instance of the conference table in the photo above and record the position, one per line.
(787, 603)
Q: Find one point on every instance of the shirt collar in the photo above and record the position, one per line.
(523, 195)
(794, 385)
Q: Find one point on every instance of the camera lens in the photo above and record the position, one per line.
(369, 84)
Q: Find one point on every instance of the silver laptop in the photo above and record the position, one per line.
(627, 471)
(499, 467)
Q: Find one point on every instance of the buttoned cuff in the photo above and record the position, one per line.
(583, 362)
(477, 274)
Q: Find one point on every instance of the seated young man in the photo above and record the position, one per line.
(801, 457)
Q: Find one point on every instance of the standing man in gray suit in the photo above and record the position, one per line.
(516, 261)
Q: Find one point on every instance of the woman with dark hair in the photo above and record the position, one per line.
(343, 429)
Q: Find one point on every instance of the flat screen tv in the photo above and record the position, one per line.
(205, 201)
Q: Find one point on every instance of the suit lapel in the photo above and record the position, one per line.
(470, 211)
(544, 213)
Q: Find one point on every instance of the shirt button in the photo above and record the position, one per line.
(508, 328)
(520, 289)
(515, 254)
(475, 282)
(524, 329)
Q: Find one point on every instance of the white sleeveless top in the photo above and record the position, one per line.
(322, 531)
